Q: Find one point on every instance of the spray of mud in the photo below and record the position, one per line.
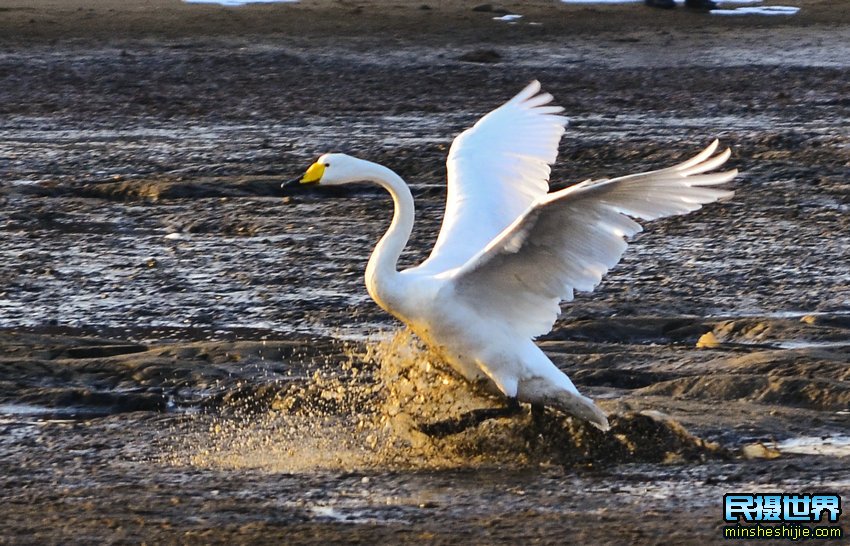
(365, 414)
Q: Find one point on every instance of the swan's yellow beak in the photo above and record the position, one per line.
(314, 173)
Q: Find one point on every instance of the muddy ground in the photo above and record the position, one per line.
(188, 353)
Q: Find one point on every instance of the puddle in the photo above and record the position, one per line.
(41, 413)
(801, 314)
(803, 344)
(833, 446)
(25, 410)
(352, 514)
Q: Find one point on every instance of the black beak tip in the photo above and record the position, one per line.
(291, 183)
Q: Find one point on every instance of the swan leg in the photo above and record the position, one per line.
(470, 419)
(538, 415)
(542, 394)
(550, 387)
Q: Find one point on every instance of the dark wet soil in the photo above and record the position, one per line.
(183, 345)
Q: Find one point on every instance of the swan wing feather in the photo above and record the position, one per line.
(567, 240)
(496, 170)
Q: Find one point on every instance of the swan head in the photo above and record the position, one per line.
(333, 170)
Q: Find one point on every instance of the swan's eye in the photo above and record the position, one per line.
(327, 164)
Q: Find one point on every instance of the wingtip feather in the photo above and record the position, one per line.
(527, 92)
(538, 100)
(699, 158)
(709, 164)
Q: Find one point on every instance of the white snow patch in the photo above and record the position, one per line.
(508, 18)
(757, 10)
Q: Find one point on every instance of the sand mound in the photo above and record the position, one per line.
(806, 378)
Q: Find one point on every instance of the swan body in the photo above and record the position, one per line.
(509, 251)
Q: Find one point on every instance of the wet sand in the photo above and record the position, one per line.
(188, 353)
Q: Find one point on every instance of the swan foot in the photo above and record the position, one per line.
(470, 419)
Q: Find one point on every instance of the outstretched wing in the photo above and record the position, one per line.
(569, 239)
(496, 170)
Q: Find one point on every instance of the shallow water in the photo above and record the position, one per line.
(833, 446)
(258, 263)
(257, 440)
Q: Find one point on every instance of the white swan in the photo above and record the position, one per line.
(508, 251)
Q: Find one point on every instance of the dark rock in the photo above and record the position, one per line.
(490, 8)
(481, 56)
(620, 379)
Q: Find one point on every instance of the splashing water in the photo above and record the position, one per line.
(364, 414)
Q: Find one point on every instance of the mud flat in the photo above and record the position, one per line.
(188, 355)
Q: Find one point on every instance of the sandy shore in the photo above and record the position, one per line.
(443, 21)
(182, 343)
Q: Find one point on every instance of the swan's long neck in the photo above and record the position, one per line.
(382, 277)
